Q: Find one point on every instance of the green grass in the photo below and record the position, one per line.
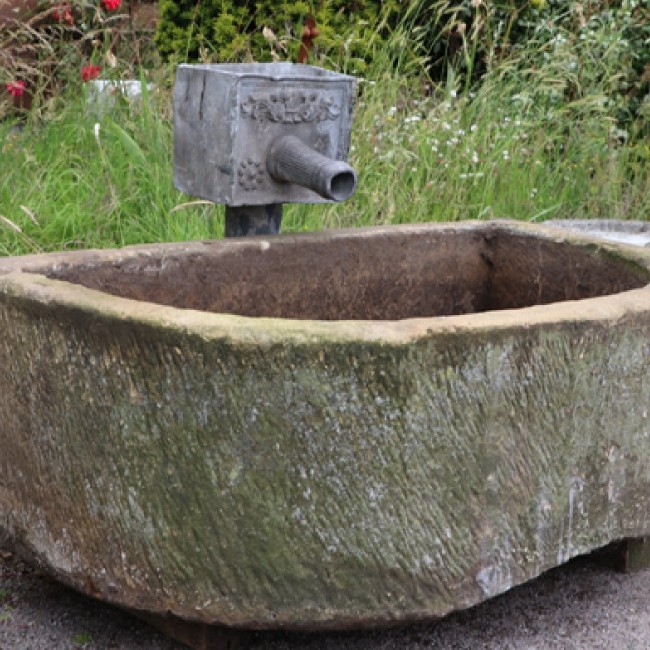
(77, 179)
(448, 157)
(82, 639)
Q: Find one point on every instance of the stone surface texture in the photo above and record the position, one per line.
(268, 472)
(636, 233)
(227, 116)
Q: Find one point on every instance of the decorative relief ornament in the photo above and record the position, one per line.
(291, 106)
(250, 174)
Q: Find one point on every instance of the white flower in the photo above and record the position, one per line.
(269, 35)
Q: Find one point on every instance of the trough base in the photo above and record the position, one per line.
(636, 554)
(198, 636)
(629, 555)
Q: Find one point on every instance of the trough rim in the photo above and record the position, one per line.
(17, 278)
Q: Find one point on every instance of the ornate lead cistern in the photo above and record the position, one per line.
(257, 135)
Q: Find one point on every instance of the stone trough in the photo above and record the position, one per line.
(328, 430)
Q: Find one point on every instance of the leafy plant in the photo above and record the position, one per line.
(82, 639)
(591, 47)
(61, 43)
(349, 33)
(550, 129)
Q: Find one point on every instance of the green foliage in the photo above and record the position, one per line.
(592, 47)
(87, 178)
(48, 48)
(448, 155)
(598, 54)
(540, 112)
(266, 30)
(82, 639)
(423, 153)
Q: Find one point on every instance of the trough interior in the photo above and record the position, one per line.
(389, 276)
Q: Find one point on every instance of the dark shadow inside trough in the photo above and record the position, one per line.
(390, 277)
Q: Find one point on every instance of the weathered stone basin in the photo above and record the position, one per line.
(325, 430)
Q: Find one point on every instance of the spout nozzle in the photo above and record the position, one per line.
(341, 183)
(290, 160)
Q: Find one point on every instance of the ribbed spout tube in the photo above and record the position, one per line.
(290, 160)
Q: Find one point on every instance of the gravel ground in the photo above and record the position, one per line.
(583, 605)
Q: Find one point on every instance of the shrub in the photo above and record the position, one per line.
(54, 43)
(594, 48)
(599, 52)
(219, 30)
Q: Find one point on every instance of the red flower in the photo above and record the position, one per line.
(16, 88)
(111, 5)
(63, 13)
(90, 71)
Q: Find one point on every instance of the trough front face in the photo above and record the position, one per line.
(277, 472)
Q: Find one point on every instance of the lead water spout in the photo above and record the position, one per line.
(257, 135)
(290, 160)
